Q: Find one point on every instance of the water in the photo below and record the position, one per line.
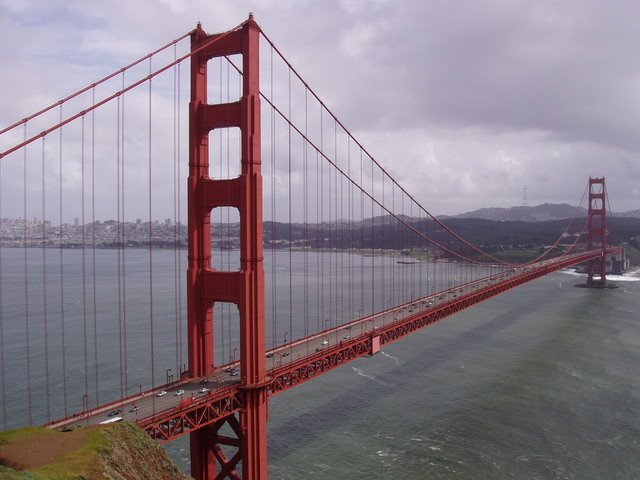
(541, 383)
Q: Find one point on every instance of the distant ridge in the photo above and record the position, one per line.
(539, 213)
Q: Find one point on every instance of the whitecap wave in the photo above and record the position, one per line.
(389, 356)
(630, 276)
(370, 377)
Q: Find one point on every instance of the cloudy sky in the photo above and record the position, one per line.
(464, 102)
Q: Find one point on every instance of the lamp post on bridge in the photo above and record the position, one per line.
(85, 406)
(167, 374)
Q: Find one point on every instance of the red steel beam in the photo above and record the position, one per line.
(205, 285)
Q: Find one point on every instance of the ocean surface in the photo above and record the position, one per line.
(539, 383)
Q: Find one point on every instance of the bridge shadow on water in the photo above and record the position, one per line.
(296, 430)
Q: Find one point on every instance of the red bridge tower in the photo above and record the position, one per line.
(245, 288)
(597, 233)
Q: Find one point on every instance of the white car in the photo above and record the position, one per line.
(178, 393)
(204, 390)
(325, 342)
(161, 393)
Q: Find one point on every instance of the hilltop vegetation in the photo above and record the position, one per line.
(118, 451)
(388, 233)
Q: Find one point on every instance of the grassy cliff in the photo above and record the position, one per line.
(118, 451)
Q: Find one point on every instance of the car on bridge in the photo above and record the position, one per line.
(179, 392)
(161, 393)
(115, 412)
(112, 420)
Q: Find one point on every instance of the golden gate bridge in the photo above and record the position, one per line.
(354, 261)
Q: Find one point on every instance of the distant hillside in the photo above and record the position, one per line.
(540, 213)
(630, 213)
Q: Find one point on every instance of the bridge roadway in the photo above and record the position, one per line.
(193, 403)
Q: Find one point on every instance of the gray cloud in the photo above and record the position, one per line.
(464, 102)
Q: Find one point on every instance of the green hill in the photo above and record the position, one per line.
(118, 451)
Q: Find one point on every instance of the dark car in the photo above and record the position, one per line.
(115, 412)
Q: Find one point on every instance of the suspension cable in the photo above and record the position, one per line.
(347, 131)
(115, 95)
(93, 85)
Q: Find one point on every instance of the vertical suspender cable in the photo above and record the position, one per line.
(373, 257)
(383, 248)
(342, 250)
(179, 220)
(151, 322)
(3, 390)
(26, 277)
(393, 244)
(411, 252)
(290, 219)
(361, 241)
(330, 226)
(305, 157)
(84, 268)
(93, 245)
(336, 245)
(122, 246)
(45, 316)
(119, 248)
(318, 244)
(62, 312)
(176, 244)
(272, 158)
(350, 204)
(420, 255)
(321, 245)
